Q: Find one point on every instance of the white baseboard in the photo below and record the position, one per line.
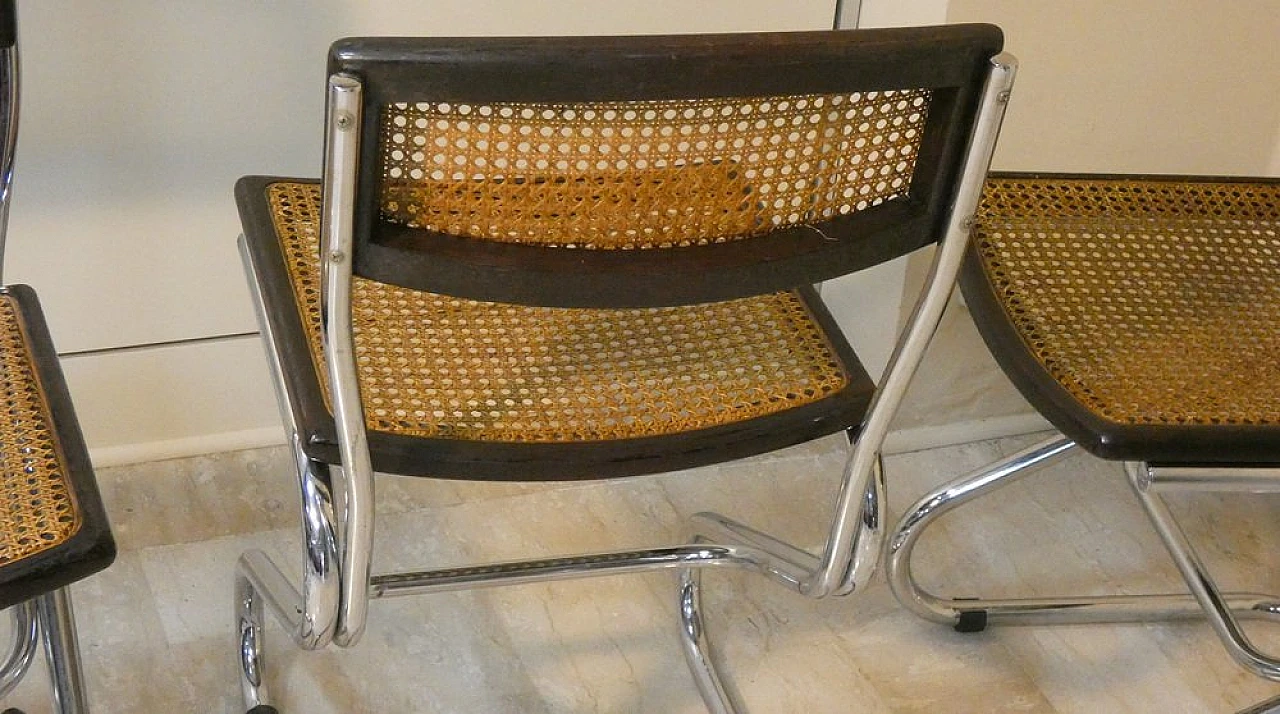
(186, 447)
(898, 442)
(932, 437)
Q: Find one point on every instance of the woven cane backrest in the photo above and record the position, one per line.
(654, 174)
(723, 166)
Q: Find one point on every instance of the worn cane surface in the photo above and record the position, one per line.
(1150, 301)
(37, 508)
(434, 365)
(634, 175)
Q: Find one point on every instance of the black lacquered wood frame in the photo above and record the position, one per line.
(92, 547)
(1184, 444)
(951, 61)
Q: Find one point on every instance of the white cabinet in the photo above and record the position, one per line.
(139, 115)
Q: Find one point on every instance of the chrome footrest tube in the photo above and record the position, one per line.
(972, 615)
(572, 567)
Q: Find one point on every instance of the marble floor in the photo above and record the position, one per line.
(157, 633)
(156, 628)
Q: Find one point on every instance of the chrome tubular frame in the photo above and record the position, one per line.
(1271, 706)
(10, 86)
(62, 651)
(851, 534)
(353, 492)
(50, 619)
(855, 538)
(25, 634)
(1216, 607)
(310, 617)
(970, 614)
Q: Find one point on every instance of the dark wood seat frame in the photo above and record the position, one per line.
(969, 86)
(1158, 459)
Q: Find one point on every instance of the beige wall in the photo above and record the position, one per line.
(1154, 86)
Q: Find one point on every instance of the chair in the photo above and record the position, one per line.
(582, 258)
(1139, 315)
(53, 530)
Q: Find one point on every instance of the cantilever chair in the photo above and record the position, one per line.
(53, 529)
(582, 258)
(1141, 316)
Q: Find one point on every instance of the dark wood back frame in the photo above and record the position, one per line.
(953, 61)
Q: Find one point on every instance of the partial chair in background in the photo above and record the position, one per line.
(1141, 316)
(583, 258)
(53, 530)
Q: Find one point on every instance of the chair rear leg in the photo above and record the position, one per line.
(62, 651)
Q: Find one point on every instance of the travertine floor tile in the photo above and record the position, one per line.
(157, 627)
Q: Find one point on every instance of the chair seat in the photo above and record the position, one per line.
(1140, 315)
(53, 530)
(455, 387)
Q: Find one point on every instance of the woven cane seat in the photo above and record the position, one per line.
(748, 374)
(1142, 315)
(52, 530)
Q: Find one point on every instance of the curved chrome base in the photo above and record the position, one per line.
(967, 615)
(261, 586)
(310, 616)
(48, 618)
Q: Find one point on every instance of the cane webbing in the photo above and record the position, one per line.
(619, 175)
(37, 507)
(1150, 301)
(433, 365)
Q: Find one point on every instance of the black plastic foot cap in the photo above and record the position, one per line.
(263, 709)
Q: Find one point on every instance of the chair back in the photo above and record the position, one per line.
(645, 171)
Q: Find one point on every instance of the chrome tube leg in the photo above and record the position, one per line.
(310, 616)
(1216, 608)
(26, 632)
(249, 629)
(973, 614)
(697, 648)
(354, 491)
(10, 76)
(942, 500)
(841, 568)
(868, 541)
(62, 652)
